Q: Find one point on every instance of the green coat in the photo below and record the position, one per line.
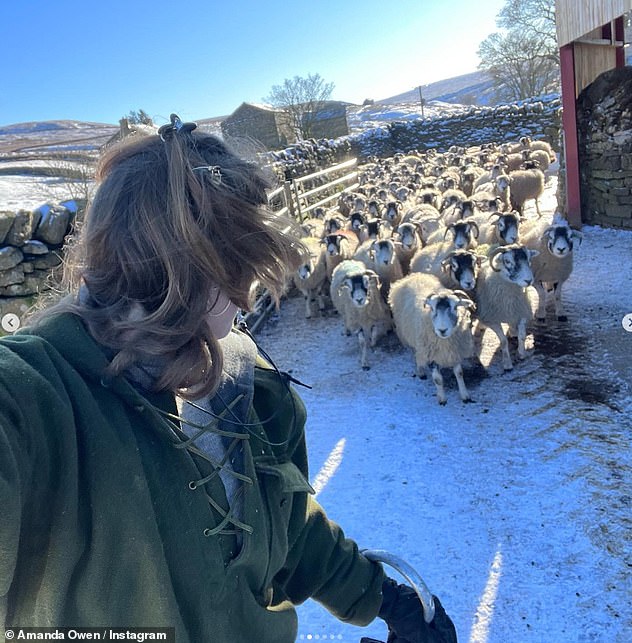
(100, 525)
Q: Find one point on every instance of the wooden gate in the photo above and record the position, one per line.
(297, 198)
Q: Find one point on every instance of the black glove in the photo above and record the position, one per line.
(403, 613)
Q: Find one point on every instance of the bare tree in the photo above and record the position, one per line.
(532, 18)
(523, 59)
(520, 66)
(74, 179)
(301, 99)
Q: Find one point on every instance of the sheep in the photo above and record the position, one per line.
(393, 213)
(502, 298)
(311, 277)
(338, 246)
(541, 156)
(410, 240)
(355, 293)
(374, 208)
(469, 175)
(486, 177)
(498, 228)
(429, 195)
(464, 234)
(451, 197)
(486, 201)
(555, 243)
(459, 211)
(500, 187)
(333, 224)
(313, 227)
(380, 256)
(524, 185)
(529, 144)
(454, 268)
(427, 319)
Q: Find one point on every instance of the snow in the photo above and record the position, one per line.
(515, 509)
(368, 117)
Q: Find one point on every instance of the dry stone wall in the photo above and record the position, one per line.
(31, 249)
(604, 126)
(539, 118)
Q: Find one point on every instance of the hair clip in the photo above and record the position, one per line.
(176, 126)
(214, 170)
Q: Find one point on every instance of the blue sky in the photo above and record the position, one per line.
(96, 61)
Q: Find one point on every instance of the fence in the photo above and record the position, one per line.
(297, 198)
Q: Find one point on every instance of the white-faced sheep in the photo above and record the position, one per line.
(428, 318)
(311, 277)
(555, 243)
(502, 298)
(355, 293)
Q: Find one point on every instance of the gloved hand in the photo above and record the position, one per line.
(403, 613)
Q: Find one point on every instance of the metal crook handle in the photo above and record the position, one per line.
(410, 574)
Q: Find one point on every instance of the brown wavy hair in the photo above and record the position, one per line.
(158, 237)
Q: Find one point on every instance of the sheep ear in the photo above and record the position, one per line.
(576, 237)
(431, 302)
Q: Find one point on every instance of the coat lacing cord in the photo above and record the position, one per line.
(227, 517)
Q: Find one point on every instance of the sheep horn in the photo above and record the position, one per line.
(472, 224)
(492, 255)
(463, 295)
(448, 228)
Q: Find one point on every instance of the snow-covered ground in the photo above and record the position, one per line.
(382, 113)
(516, 509)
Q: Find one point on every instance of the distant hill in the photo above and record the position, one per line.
(22, 141)
(54, 136)
(472, 89)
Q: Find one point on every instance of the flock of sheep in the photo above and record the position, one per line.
(436, 247)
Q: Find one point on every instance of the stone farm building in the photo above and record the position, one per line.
(271, 127)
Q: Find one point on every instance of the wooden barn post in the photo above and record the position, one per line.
(571, 149)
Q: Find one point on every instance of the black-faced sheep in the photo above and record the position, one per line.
(355, 293)
(502, 298)
(555, 243)
(311, 277)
